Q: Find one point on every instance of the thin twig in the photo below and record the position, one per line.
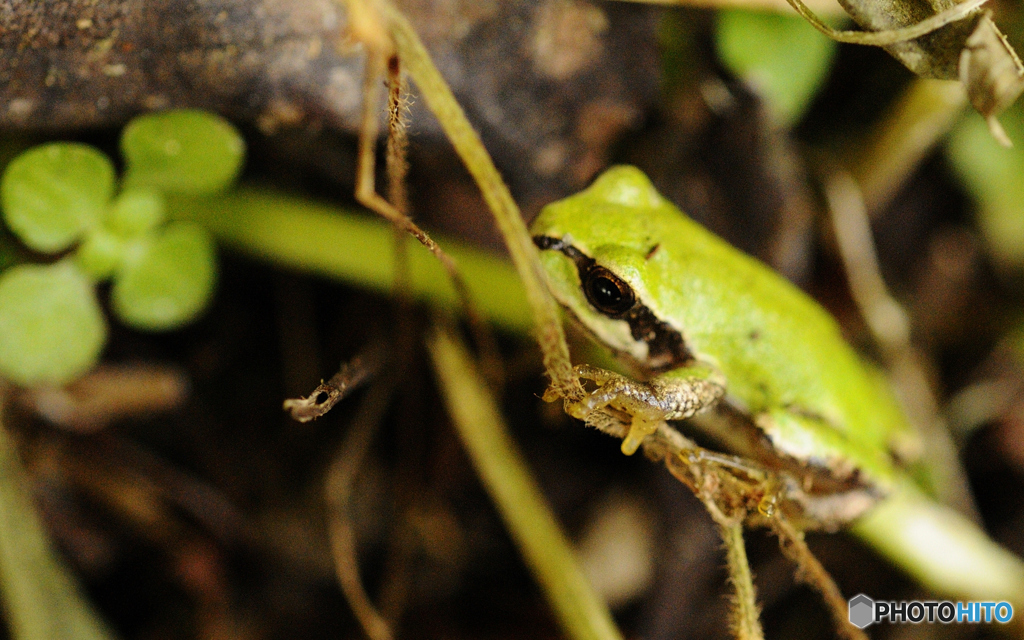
(401, 545)
(396, 166)
(890, 36)
(467, 143)
(397, 169)
(338, 486)
(711, 477)
(397, 210)
(811, 572)
(351, 374)
(397, 162)
(366, 192)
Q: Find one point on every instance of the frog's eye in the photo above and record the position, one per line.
(607, 292)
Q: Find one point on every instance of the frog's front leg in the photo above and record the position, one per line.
(675, 395)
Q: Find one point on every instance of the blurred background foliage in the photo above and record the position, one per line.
(143, 370)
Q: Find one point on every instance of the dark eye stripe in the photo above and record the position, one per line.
(665, 346)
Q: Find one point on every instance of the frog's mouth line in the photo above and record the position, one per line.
(666, 348)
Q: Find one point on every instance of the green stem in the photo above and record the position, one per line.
(438, 96)
(506, 477)
(941, 549)
(745, 614)
(295, 232)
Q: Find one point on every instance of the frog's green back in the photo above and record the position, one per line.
(776, 346)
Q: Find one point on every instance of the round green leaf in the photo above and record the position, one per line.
(182, 151)
(166, 280)
(51, 325)
(136, 211)
(781, 56)
(52, 193)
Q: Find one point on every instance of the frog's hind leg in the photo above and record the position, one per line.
(840, 458)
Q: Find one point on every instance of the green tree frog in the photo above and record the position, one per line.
(701, 324)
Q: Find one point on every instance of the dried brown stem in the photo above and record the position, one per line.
(396, 211)
(397, 162)
(731, 488)
(439, 98)
(366, 192)
(890, 36)
(352, 374)
(824, 7)
(811, 572)
(338, 487)
(717, 480)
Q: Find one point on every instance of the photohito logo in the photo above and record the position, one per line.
(864, 611)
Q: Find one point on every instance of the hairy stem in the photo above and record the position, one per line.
(468, 145)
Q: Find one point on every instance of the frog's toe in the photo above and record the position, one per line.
(632, 442)
(638, 430)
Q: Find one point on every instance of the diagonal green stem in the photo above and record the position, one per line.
(500, 465)
(468, 145)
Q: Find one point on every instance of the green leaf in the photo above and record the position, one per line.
(183, 151)
(992, 174)
(52, 193)
(165, 280)
(51, 325)
(781, 56)
(136, 211)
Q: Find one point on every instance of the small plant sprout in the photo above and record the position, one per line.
(61, 201)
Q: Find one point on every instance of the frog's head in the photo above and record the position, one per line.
(596, 249)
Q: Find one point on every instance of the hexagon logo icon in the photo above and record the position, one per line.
(862, 610)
